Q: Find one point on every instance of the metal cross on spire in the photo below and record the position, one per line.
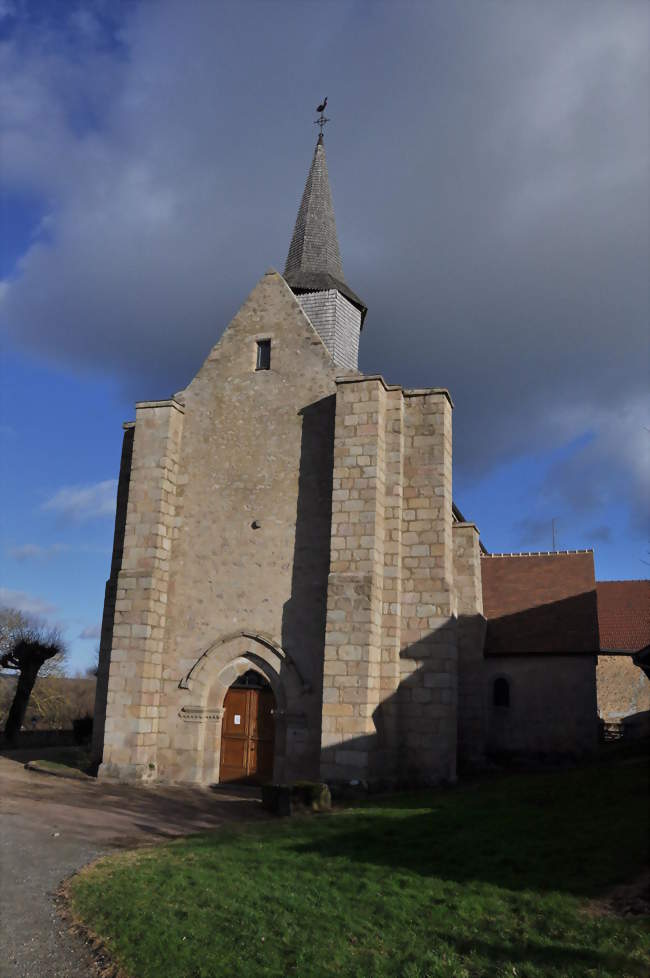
(322, 119)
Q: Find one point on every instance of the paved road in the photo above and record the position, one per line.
(51, 827)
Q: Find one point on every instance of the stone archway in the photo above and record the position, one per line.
(209, 680)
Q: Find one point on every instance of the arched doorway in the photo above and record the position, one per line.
(248, 730)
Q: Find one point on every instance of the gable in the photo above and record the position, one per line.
(270, 312)
(254, 492)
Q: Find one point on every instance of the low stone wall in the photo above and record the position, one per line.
(623, 688)
(634, 727)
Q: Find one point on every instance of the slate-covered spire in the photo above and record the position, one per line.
(314, 260)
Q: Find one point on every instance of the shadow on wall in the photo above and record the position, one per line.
(551, 710)
(108, 620)
(634, 726)
(637, 725)
(418, 720)
(304, 614)
(540, 670)
(568, 625)
(415, 735)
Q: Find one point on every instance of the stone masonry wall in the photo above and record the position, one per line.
(354, 601)
(428, 693)
(388, 753)
(552, 704)
(471, 636)
(296, 521)
(133, 709)
(226, 551)
(390, 670)
(623, 688)
(251, 552)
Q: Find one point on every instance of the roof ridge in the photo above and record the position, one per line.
(626, 580)
(540, 553)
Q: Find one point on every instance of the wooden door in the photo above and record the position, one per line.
(247, 734)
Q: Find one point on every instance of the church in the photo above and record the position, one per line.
(293, 593)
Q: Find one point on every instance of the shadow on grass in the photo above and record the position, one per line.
(542, 832)
(560, 957)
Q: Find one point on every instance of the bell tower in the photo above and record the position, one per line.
(314, 270)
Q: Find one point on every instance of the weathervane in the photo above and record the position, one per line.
(322, 119)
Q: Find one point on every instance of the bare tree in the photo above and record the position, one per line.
(25, 648)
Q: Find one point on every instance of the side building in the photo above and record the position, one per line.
(623, 685)
(541, 648)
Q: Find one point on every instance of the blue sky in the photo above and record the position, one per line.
(489, 170)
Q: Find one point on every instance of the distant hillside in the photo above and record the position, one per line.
(54, 704)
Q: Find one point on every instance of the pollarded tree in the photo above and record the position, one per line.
(12, 621)
(29, 647)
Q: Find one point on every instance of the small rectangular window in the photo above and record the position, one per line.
(263, 355)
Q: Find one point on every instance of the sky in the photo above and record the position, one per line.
(489, 170)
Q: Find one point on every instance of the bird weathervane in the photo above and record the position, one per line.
(322, 118)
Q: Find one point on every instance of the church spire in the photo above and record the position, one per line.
(314, 261)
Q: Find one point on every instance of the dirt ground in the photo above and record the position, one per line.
(50, 827)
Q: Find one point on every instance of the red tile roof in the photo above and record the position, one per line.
(624, 614)
(540, 603)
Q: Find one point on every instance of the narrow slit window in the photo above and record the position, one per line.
(263, 361)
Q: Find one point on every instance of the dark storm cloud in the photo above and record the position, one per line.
(489, 166)
(536, 533)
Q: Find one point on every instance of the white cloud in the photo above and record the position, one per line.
(38, 552)
(92, 631)
(613, 466)
(34, 551)
(79, 503)
(29, 604)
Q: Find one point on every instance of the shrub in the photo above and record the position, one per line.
(82, 729)
(314, 795)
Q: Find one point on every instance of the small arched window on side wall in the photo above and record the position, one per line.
(501, 692)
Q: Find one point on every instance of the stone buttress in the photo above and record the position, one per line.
(391, 662)
(472, 720)
(133, 707)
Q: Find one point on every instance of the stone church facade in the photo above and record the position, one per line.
(289, 519)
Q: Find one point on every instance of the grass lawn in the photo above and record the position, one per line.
(76, 757)
(67, 758)
(493, 878)
(61, 768)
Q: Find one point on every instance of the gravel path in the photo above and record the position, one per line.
(35, 942)
(51, 827)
